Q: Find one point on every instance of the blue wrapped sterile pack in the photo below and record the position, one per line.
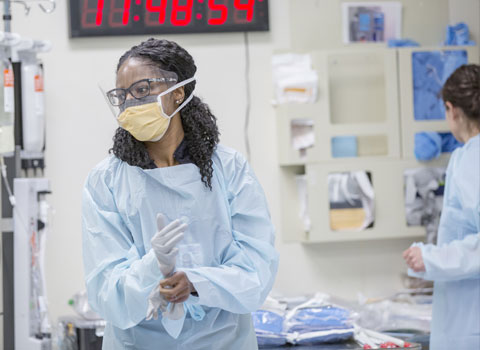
(268, 323)
(269, 328)
(319, 321)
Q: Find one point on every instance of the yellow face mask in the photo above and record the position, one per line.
(146, 119)
(146, 122)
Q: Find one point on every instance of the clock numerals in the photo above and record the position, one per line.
(214, 7)
(126, 11)
(152, 9)
(180, 14)
(112, 17)
(241, 6)
(89, 12)
(119, 15)
(186, 9)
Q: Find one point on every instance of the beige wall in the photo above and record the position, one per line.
(80, 127)
(316, 24)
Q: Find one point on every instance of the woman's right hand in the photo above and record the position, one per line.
(177, 288)
(414, 259)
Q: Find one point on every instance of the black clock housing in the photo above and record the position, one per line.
(90, 18)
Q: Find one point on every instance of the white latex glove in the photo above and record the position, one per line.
(155, 301)
(163, 244)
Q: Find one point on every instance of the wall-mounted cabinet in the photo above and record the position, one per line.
(422, 71)
(357, 98)
(364, 120)
(387, 178)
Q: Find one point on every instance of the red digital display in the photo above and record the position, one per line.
(132, 17)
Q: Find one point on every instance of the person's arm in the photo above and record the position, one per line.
(457, 260)
(248, 268)
(118, 278)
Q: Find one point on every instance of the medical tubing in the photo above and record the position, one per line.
(38, 269)
(248, 102)
(11, 197)
(43, 216)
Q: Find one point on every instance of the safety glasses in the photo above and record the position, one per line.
(138, 90)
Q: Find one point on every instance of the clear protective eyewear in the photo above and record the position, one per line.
(156, 82)
(138, 90)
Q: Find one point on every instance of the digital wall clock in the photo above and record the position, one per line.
(136, 17)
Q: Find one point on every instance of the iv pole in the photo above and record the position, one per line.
(13, 163)
(7, 16)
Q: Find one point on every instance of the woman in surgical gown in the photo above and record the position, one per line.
(166, 160)
(454, 263)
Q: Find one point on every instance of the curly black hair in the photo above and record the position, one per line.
(199, 124)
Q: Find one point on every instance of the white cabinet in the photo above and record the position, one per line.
(367, 94)
(357, 96)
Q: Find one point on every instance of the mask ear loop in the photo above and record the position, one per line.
(187, 100)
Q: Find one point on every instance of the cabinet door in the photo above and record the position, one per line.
(422, 72)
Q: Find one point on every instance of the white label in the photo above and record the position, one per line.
(8, 99)
(39, 103)
(189, 255)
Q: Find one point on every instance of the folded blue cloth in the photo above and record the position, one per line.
(430, 71)
(344, 146)
(428, 145)
(449, 142)
(318, 319)
(458, 34)
(402, 43)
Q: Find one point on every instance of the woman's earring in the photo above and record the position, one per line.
(178, 102)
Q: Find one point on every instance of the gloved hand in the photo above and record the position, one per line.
(155, 301)
(164, 245)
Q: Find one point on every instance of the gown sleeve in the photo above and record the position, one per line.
(118, 278)
(460, 258)
(456, 260)
(248, 267)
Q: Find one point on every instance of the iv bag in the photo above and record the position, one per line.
(7, 98)
(33, 108)
(7, 109)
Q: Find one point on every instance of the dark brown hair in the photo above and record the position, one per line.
(462, 89)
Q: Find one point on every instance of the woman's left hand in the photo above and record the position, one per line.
(176, 288)
(414, 259)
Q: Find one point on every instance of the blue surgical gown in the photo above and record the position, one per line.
(227, 253)
(454, 263)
